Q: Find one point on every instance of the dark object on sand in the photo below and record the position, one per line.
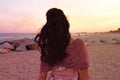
(32, 46)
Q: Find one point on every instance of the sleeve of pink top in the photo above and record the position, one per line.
(44, 67)
(83, 61)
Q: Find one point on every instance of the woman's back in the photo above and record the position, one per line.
(77, 57)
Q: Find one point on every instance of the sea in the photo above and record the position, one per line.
(15, 36)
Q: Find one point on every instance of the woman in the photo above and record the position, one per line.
(57, 47)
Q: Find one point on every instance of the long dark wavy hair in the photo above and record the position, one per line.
(54, 37)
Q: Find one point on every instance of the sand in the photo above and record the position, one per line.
(25, 65)
(104, 62)
(20, 65)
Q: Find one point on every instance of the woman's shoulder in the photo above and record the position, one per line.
(78, 41)
(76, 52)
(75, 45)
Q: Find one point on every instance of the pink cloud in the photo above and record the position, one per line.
(12, 21)
(24, 26)
(10, 12)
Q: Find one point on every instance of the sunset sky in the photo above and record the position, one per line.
(24, 16)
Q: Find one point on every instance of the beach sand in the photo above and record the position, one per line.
(20, 65)
(25, 65)
(104, 62)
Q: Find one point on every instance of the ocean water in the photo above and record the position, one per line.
(14, 36)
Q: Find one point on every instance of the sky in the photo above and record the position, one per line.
(28, 16)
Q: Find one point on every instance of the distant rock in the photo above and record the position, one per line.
(21, 47)
(16, 44)
(32, 46)
(95, 40)
(23, 40)
(7, 45)
(115, 31)
(117, 41)
(4, 51)
(20, 44)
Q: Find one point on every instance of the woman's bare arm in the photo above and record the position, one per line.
(42, 76)
(84, 75)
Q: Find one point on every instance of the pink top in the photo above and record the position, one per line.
(77, 57)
